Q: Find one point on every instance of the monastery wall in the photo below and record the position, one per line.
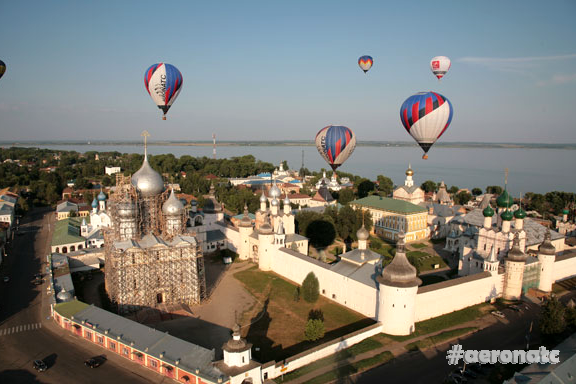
(232, 235)
(452, 295)
(323, 350)
(564, 267)
(352, 294)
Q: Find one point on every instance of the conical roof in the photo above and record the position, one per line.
(147, 181)
(399, 273)
(516, 254)
(245, 221)
(547, 248)
(101, 196)
(94, 203)
(172, 206)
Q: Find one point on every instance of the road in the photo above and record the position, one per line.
(27, 332)
(431, 366)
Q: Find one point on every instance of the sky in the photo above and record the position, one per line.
(282, 70)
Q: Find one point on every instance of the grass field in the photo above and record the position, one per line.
(279, 321)
(428, 261)
(419, 245)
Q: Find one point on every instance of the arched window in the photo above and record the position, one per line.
(64, 249)
(57, 250)
(72, 248)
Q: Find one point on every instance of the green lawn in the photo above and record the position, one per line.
(418, 245)
(428, 261)
(439, 338)
(279, 332)
(350, 369)
(364, 346)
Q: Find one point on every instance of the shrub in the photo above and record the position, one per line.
(314, 330)
(310, 288)
(316, 314)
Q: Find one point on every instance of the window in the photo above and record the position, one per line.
(323, 291)
(112, 345)
(333, 296)
(88, 335)
(100, 340)
(125, 351)
(153, 363)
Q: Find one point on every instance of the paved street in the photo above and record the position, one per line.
(26, 331)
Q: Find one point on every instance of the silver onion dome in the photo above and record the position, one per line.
(64, 296)
(275, 191)
(399, 273)
(274, 202)
(362, 233)
(172, 206)
(286, 200)
(547, 248)
(147, 181)
(263, 197)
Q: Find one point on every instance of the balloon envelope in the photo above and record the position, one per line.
(439, 66)
(163, 83)
(365, 63)
(426, 116)
(2, 68)
(335, 143)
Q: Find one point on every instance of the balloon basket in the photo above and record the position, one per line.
(425, 157)
(163, 117)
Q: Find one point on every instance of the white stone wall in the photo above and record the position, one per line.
(232, 235)
(436, 302)
(327, 349)
(564, 269)
(396, 310)
(514, 277)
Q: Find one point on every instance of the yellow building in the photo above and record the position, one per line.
(391, 216)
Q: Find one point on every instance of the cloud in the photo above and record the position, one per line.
(520, 65)
(558, 80)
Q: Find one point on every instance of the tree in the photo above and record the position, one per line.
(552, 318)
(285, 165)
(346, 222)
(345, 196)
(494, 189)
(476, 191)
(415, 261)
(316, 314)
(429, 186)
(385, 185)
(303, 219)
(364, 188)
(462, 198)
(321, 233)
(453, 189)
(310, 288)
(314, 330)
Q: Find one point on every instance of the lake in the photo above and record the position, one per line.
(530, 169)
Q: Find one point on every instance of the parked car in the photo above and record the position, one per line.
(498, 314)
(39, 365)
(95, 362)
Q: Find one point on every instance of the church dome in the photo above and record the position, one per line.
(409, 172)
(504, 200)
(274, 202)
(547, 248)
(245, 221)
(64, 296)
(507, 215)
(516, 254)
(265, 228)
(94, 203)
(400, 273)
(147, 181)
(362, 233)
(101, 196)
(263, 198)
(286, 200)
(488, 212)
(172, 206)
(519, 213)
(274, 191)
(565, 211)
(126, 210)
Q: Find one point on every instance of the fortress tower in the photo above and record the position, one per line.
(515, 262)
(546, 257)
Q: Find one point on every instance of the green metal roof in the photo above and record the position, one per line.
(388, 204)
(70, 308)
(63, 234)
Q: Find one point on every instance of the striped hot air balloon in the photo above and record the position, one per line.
(426, 115)
(2, 68)
(163, 83)
(439, 66)
(335, 143)
(365, 63)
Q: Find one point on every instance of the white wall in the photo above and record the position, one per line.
(458, 294)
(564, 268)
(232, 235)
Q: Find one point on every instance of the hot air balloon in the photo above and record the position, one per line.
(426, 115)
(365, 63)
(335, 143)
(2, 68)
(439, 66)
(163, 83)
